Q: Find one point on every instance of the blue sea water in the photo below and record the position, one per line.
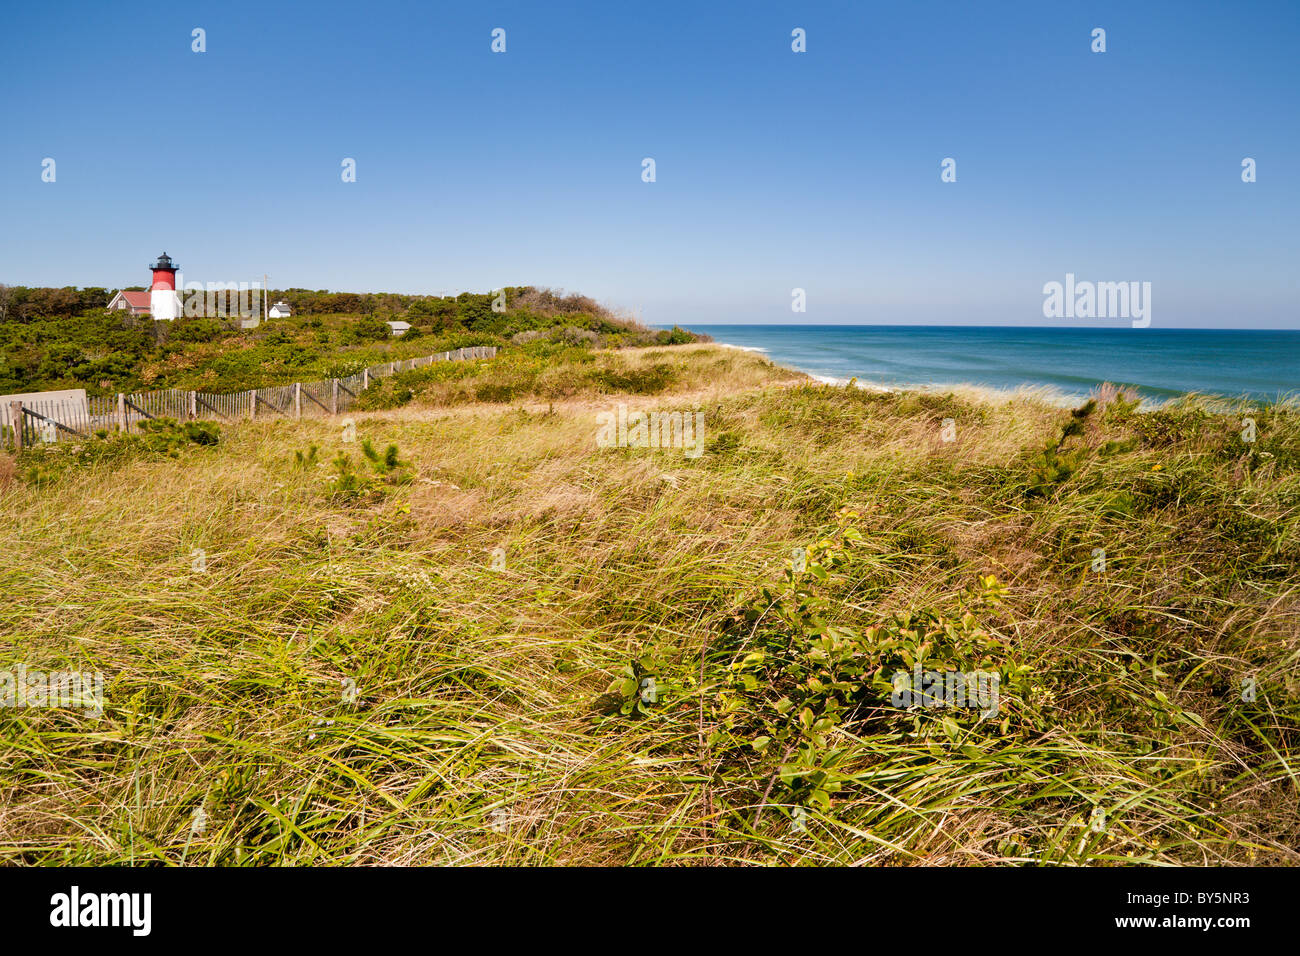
(1159, 363)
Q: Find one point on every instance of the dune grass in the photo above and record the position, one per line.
(501, 644)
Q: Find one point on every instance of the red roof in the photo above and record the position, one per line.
(137, 300)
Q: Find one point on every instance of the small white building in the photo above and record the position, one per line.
(280, 310)
(399, 327)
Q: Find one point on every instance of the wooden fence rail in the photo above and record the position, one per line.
(30, 423)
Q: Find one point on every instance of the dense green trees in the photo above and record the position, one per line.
(70, 352)
(22, 303)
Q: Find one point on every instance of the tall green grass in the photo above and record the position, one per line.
(490, 720)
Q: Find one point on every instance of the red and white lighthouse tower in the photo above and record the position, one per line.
(164, 303)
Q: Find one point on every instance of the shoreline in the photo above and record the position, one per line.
(1042, 391)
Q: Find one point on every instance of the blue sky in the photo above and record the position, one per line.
(775, 170)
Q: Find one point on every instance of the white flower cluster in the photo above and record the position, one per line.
(415, 578)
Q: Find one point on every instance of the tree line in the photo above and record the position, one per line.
(24, 303)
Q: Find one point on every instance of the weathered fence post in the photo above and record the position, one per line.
(16, 419)
(334, 396)
(121, 412)
(365, 378)
(252, 405)
(297, 399)
(194, 405)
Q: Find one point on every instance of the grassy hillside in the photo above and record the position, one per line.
(358, 675)
(329, 335)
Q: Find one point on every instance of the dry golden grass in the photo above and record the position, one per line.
(482, 731)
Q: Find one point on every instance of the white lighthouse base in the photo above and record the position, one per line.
(164, 304)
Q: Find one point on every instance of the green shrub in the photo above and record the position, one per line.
(160, 436)
(386, 469)
(783, 679)
(640, 381)
(1053, 466)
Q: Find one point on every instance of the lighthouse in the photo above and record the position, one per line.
(164, 303)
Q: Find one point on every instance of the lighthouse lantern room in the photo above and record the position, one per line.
(164, 302)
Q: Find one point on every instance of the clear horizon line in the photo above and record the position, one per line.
(1004, 325)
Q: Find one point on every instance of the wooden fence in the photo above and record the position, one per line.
(51, 421)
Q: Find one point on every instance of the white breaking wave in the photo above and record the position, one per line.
(832, 380)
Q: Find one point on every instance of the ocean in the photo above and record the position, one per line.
(1158, 363)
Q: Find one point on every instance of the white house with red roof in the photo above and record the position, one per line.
(137, 302)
